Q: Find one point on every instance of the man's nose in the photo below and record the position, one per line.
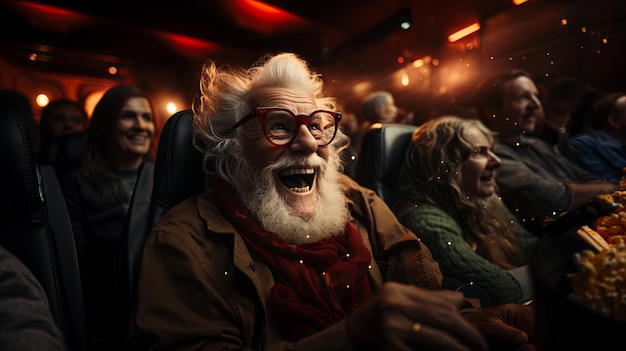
(536, 102)
(304, 140)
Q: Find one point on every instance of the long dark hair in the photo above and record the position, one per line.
(97, 165)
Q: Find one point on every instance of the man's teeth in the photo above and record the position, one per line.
(294, 171)
(298, 179)
(305, 189)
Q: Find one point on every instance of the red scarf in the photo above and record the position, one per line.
(317, 284)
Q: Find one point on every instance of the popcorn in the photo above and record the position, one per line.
(600, 279)
(615, 223)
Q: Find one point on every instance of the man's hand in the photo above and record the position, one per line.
(405, 317)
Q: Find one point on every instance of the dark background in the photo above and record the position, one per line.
(357, 45)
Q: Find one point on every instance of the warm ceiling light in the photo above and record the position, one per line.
(262, 17)
(171, 107)
(404, 80)
(42, 100)
(518, 2)
(464, 32)
(92, 100)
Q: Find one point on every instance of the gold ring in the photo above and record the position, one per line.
(417, 326)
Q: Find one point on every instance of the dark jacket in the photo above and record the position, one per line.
(200, 288)
(26, 323)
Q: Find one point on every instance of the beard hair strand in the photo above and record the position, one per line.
(259, 194)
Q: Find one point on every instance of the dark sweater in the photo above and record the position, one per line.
(443, 236)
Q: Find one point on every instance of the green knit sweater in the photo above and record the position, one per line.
(442, 235)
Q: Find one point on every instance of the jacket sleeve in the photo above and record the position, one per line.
(27, 323)
(601, 158)
(532, 191)
(183, 303)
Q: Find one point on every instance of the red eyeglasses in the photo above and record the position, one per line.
(280, 125)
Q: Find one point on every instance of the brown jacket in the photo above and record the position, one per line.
(200, 289)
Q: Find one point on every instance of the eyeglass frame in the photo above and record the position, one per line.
(301, 119)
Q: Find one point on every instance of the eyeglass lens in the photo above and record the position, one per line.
(282, 126)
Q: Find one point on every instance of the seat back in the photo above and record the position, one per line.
(64, 154)
(382, 152)
(22, 106)
(35, 227)
(178, 174)
(135, 229)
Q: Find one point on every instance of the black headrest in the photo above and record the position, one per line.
(20, 103)
(19, 196)
(178, 172)
(64, 153)
(177, 175)
(382, 151)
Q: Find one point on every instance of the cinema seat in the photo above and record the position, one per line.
(35, 227)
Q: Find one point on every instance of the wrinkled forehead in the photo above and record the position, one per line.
(297, 101)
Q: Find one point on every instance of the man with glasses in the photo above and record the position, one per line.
(283, 251)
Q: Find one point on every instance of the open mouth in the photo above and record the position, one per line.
(299, 180)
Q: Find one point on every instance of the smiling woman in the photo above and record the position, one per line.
(120, 139)
(447, 195)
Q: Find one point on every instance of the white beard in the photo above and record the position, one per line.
(259, 195)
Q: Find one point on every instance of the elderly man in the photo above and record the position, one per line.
(282, 251)
(379, 107)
